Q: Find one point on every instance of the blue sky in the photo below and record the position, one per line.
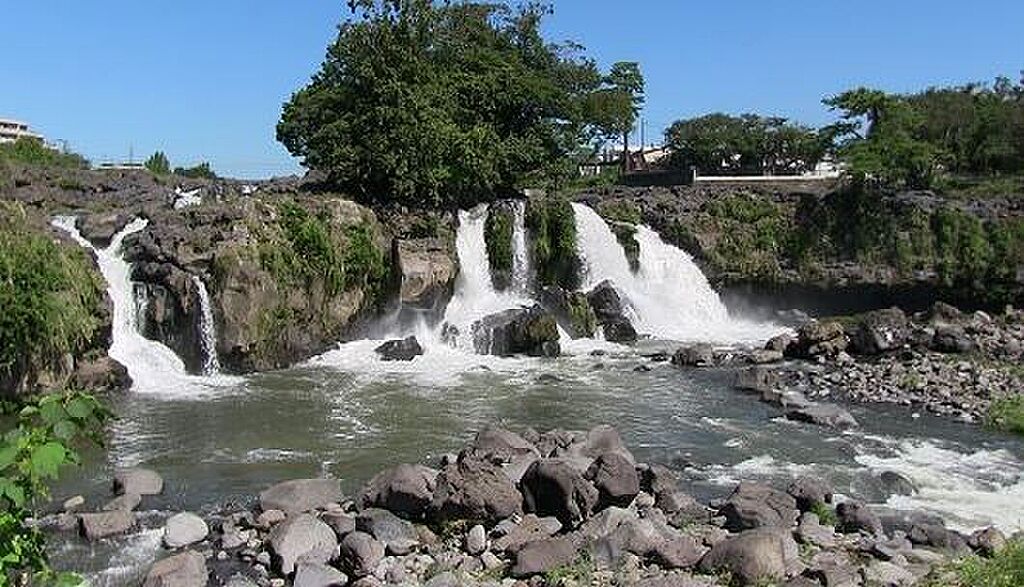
(205, 80)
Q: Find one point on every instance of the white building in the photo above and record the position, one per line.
(12, 130)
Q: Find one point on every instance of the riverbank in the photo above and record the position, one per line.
(553, 508)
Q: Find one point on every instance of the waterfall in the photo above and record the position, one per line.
(475, 296)
(669, 297)
(207, 329)
(153, 367)
(520, 250)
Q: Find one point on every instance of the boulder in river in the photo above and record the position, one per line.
(818, 339)
(405, 349)
(880, 331)
(187, 569)
(405, 490)
(571, 309)
(610, 311)
(524, 331)
(698, 355)
(138, 481)
(822, 414)
(105, 524)
(184, 529)
(301, 495)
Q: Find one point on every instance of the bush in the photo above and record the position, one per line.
(31, 456)
(1004, 569)
(498, 234)
(1007, 413)
(49, 295)
(34, 152)
(552, 226)
(201, 171)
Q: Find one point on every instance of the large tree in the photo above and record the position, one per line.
(448, 104)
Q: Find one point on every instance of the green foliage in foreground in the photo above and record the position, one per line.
(826, 514)
(552, 226)
(49, 295)
(1004, 569)
(31, 456)
(33, 152)
(498, 234)
(1007, 413)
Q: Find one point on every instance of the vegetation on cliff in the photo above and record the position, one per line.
(50, 297)
(551, 225)
(498, 233)
(446, 105)
(33, 152)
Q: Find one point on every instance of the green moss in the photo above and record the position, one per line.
(581, 314)
(49, 295)
(552, 226)
(826, 514)
(364, 263)
(626, 235)
(498, 233)
(1007, 413)
(620, 211)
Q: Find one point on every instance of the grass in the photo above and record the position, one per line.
(826, 514)
(1007, 413)
(579, 572)
(33, 152)
(1004, 569)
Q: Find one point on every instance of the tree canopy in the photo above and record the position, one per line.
(721, 144)
(448, 104)
(158, 163)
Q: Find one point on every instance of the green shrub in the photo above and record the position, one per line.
(552, 226)
(49, 295)
(826, 514)
(1004, 569)
(31, 456)
(620, 211)
(34, 152)
(365, 265)
(1007, 413)
(498, 234)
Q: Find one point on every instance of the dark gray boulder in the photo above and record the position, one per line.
(821, 414)
(757, 379)
(809, 492)
(405, 349)
(818, 339)
(855, 516)
(610, 312)
(360, 553)
(302, 537)
(553, 487)
(475, 490)
(753, 505)
(187, 569)
(755, 556)
(951, 339)
(525, 331)
(406, 490)
(880, 331)
(545, 555)
(698, 355)
(615, 478)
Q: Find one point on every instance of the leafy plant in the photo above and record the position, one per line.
(498, 233)
(158, 164)
(33, 152)
(826, 514)
(1007, 413)
(31, 456)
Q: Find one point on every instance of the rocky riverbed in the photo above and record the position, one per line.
(554, 508)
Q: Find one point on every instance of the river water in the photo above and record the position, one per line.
(219, 439)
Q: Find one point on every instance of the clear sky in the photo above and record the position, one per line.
(205, 80)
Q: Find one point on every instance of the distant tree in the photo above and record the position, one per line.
(158, 164)
(721, 144)
(30, 151)
(627, 81)
(201, 171)
(442, 104)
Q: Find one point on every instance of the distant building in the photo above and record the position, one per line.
(12, 130)
(125, 166)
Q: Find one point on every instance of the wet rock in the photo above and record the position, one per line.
(619, 330)
(475, 490)
(779, 343)
(552, 487)
(615, 478)
(571, 309)
(757, 379)
(938, 536)
(856, 517)
(187, 569)
(809, 492)
(699, 355)
(100, 228)
(818, 339)
(302, 537)
(880, 331)
(546, 555)
(105, 524)
(821, 414)
(405, 349)
(309, 574)
(503, 445)
(138, 481)
(102, 374)
(753, 506)
(361, 554)
(301, 495)
(988, 541)
(127, 502)
(522, 331)
(405, 490)
(895, 483)
(428, 268)
(184, 529)
(951, 339)
(753, 556)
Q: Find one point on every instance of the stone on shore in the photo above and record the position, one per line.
(361, 553)
(405, 490)
(552, 487)
(475, 490)
(753, 505)
(311, 574)
(301, 495)
(184, 529)
(754, 556)
(302, 537)
(546, 555)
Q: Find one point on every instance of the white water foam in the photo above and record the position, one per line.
(153, 367)
(969, 490)
(520, 250)
(207, 329)
(668, 297)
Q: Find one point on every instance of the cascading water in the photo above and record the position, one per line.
(153, 367)
(668, 297)
(520, 250)
(207, 329)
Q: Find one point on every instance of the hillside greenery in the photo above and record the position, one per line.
(26, 151)
(49, 295)
(498, 233)
(443, 105)
(551, 224)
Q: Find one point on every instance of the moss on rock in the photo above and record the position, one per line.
(498, 233)
(552, 226)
